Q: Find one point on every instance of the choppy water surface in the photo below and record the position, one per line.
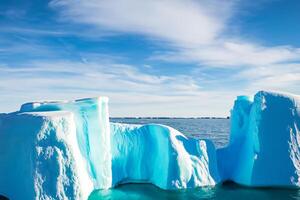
(216, 130)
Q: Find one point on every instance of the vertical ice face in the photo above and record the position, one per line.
(277, 162)
(236, 160)
(161, 155)
(264, 142)
(39, 158)
(93, 133)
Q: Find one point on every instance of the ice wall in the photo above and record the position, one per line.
(55, 150)
(39, 158)
(161, 155)
(264, 143)
(93, 134)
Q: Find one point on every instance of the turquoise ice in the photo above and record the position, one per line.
(162, 156)
(39, 157)
(264, 147)
(92, 132)
(65, 150)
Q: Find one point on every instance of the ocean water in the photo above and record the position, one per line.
(216, 130)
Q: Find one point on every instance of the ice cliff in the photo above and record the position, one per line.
(65, 150)
(55, 150)
(40, 159)
(264, 146)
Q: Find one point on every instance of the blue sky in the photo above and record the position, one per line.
(151, 58)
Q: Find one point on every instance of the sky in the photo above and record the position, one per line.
(173, 58)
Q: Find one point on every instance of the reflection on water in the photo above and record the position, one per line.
(223, 192)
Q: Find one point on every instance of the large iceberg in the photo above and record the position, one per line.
(55, 150)
(40, 159)
(264, 147)
(92, 133)
(65, 150)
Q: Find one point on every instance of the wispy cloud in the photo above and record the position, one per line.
(227, 54)
(127, 87)
(198, 31)
(180, 22)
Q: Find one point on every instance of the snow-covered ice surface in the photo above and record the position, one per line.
(65, 150)
(39, 157)
(264, 147)
(93, 134)
(161, 155)
(63, 156)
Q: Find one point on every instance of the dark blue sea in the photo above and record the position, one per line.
(216, 130)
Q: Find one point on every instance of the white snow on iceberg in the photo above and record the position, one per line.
(92, 133)
(39, 157)
(65, 156)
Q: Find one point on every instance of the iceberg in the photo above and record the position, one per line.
(92, 132)
(39, 157)
(162, 156)
(65, 150)
(264, 147)
(68, 150)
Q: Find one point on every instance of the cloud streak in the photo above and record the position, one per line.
(126, 86)
(180, 22)
(194, 33)
(198, 31)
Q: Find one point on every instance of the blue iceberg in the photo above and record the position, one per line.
(264, 147)
(40, 158)
(65, 150)
(162, 156)
(91, 120)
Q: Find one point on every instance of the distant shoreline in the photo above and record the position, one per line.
(169, 117)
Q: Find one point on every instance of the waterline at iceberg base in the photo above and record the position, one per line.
(66, 150)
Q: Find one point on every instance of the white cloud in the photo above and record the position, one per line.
(132, 92)
(233, 54)
(284, 77)
(186, 22)
(196, 30)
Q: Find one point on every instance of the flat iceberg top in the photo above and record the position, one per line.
(277, 94)
(52, 105)
(58, 113)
